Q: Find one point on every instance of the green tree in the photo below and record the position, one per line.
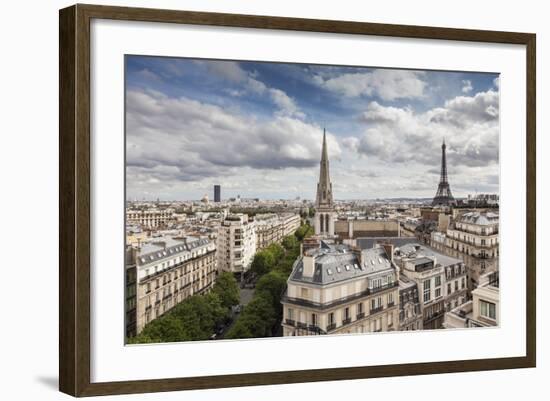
(227, 289)
(260, 315)
(263, 262)
(272, 285)
(290, 242)
(277, 251)
(241, 329)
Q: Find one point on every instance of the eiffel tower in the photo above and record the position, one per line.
(443, 196)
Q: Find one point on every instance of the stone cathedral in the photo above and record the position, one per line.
(325, 215)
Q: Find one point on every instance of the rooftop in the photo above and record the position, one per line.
(422, 252)
(481, 219)
(334, 263)
(165, 247)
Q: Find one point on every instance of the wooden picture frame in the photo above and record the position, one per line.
(74, 199)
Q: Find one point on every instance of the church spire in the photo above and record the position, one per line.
(324, 187)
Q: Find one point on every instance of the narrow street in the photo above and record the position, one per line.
(246, 295)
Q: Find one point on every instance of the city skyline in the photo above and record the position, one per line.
(384, 130)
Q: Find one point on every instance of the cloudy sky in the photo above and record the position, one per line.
(256, 128)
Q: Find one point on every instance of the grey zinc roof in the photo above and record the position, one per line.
(164, 247)
(480, 218)
(334, 263)
(370, 242)
(422, 251)
(405, 283)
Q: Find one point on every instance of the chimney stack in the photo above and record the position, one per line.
(388, 247)
(358, 253)
(308, 262)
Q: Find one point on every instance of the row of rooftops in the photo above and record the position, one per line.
(339, 262)
(166, 247)
(480, 219)
(334, 263)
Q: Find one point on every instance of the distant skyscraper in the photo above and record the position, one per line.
(217, 193)
(443, 196)
(324, 205)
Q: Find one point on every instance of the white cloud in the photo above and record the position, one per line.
(148, 75)
(467, 86)
(386, 84)
(232, 72)
(170, 141)
(399, 135)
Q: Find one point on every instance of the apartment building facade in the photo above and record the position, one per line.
(434, 274)
(410, 312)
(335, 289)
(236, 243)
(162, 273)
(472, 237)
(149, 218)
(272, 228)
(484, 308)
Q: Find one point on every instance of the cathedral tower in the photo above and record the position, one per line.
(324, 204)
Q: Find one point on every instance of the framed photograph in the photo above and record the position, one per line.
(250, 200)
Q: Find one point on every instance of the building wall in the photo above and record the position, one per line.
(149, 218)
(272, 228)
(236, 243)
(161, 284)
(347, 229)
(301, 319)
(477, 246)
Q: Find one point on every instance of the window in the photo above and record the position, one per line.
(456, 285)
(487, 309)
(148, 287)
(463, 283)
(290, 313)
(437, 292)
(427, 290)
(438, 281)
(360, 307)
(314, 319)
(346, 313)
(390, 298)
(449, 289)
(331, 318)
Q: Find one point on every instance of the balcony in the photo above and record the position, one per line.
(331, 326)
(377, 309)
(360, 315)
(382, 288)
(390, 304)
(340, 301)
(290, 322)
(346, 321)
(301, 325)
